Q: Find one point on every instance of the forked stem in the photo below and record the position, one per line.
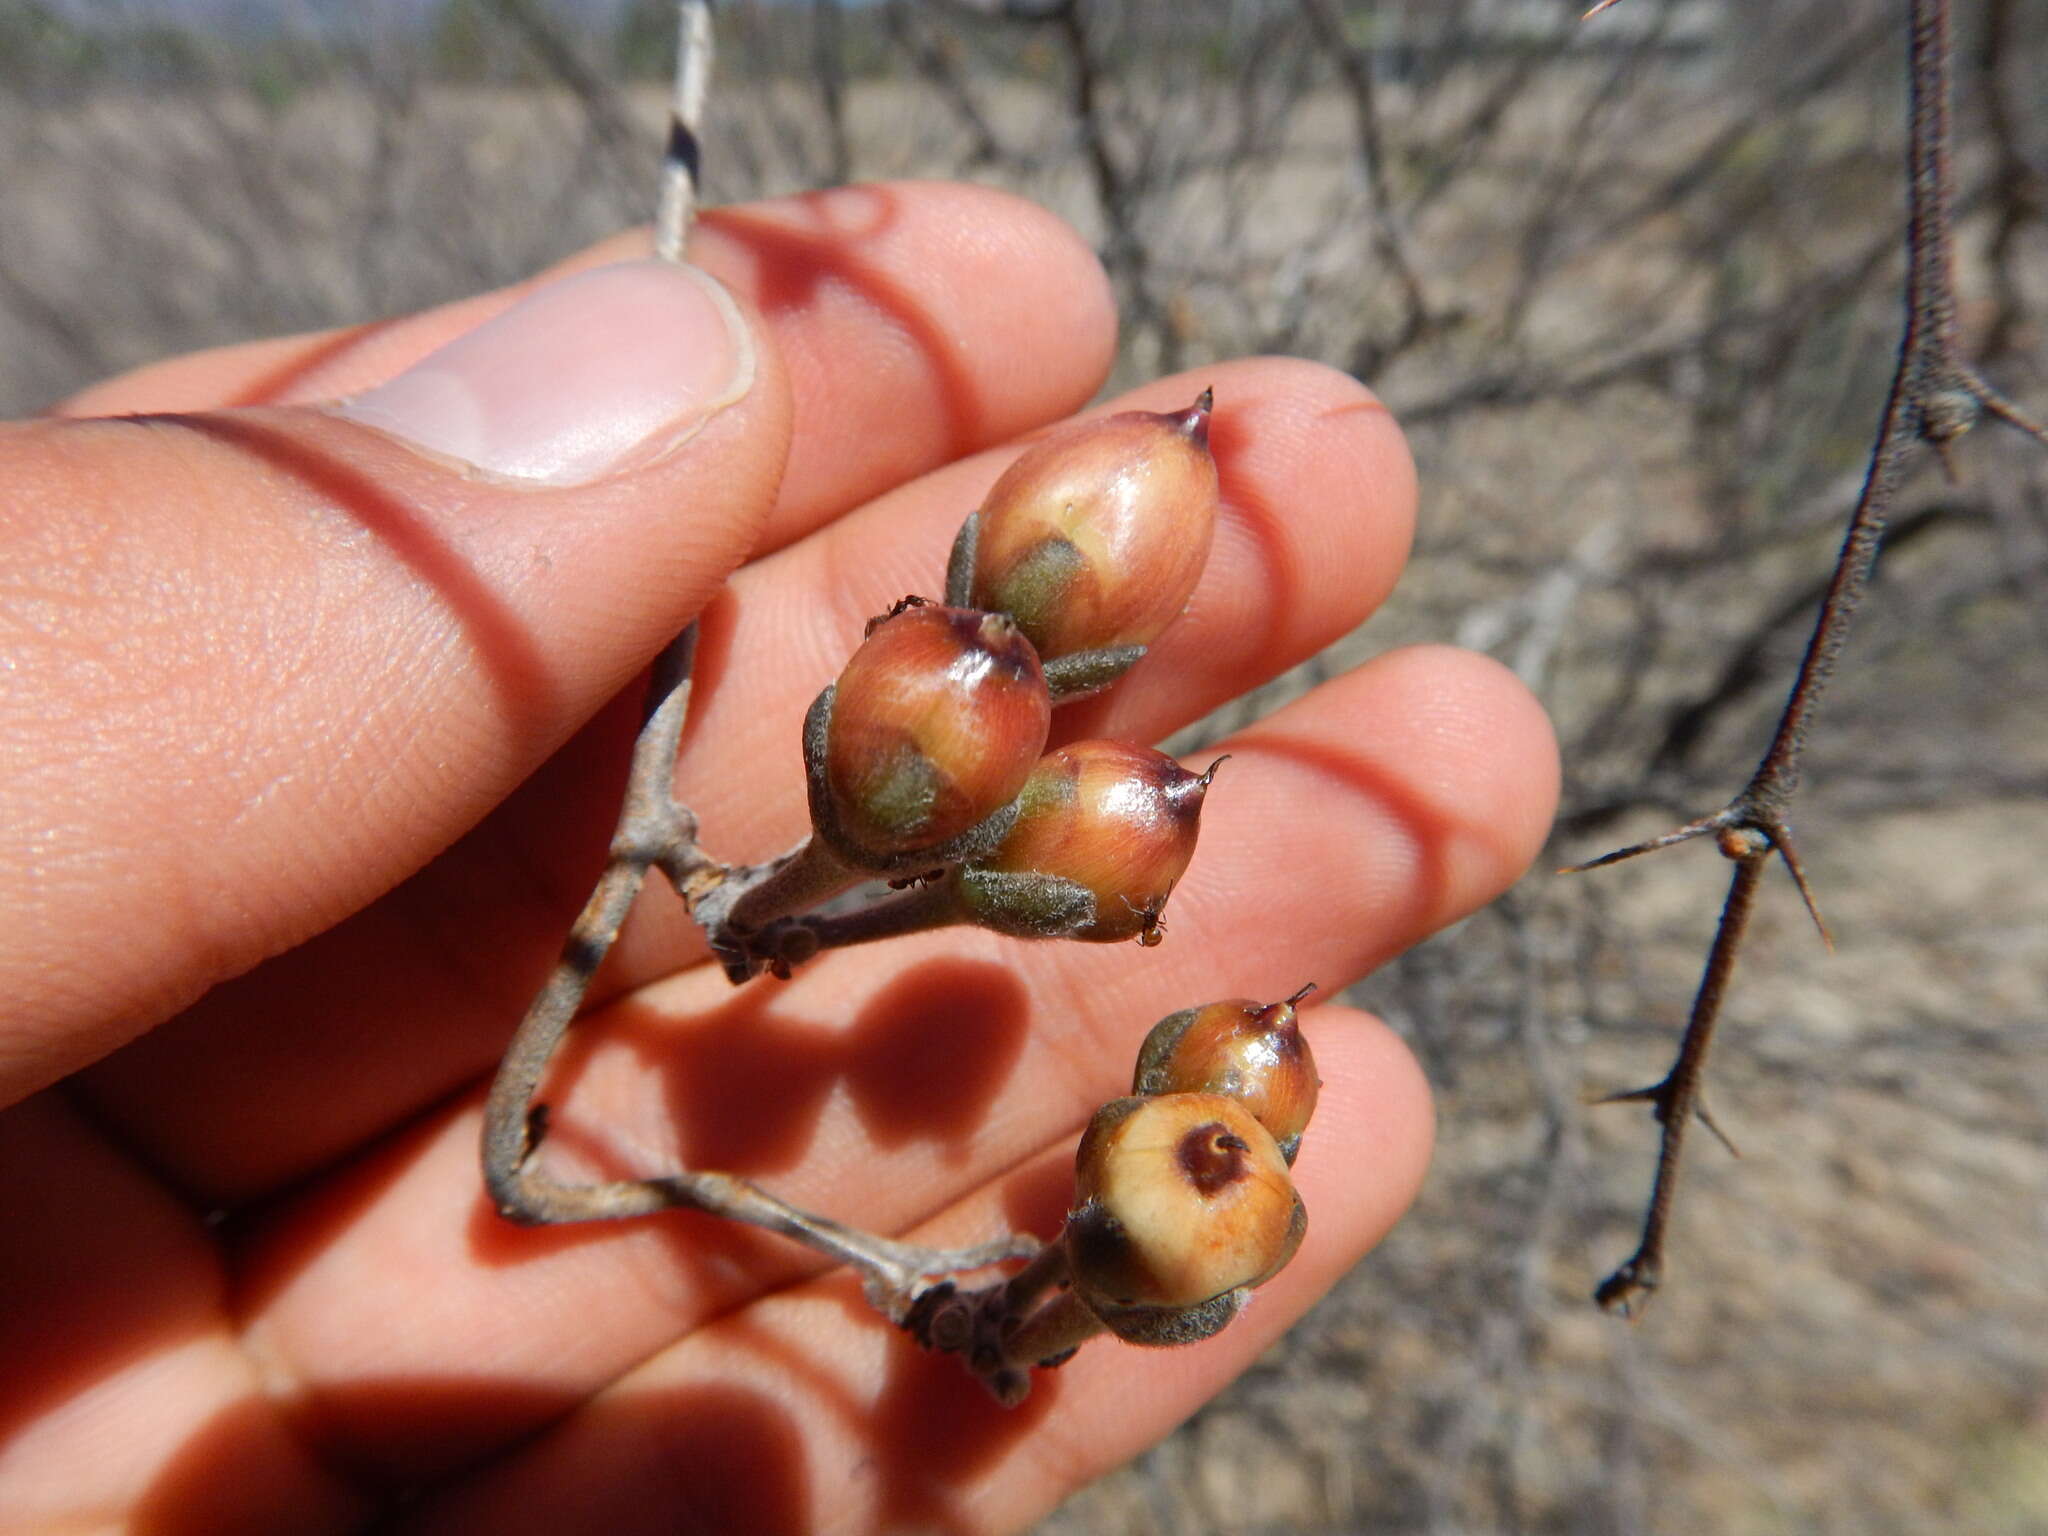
(654, 831)
(1001, 1332)
(789, 941)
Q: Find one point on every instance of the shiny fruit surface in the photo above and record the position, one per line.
(1097, 536)
(1252, 1051)
(1109, 820)
(936, 724)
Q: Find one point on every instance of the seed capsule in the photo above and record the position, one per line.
(1096, 537)
(1254, 1052)
(1182, 1202)
(1104, 829)
(932, 728)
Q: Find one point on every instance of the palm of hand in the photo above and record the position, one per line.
(359, 1321)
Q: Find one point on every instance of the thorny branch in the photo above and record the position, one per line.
(1935, 398)
(1747, 671)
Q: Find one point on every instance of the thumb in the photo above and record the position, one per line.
(261, 665)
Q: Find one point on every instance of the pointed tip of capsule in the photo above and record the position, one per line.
(1301, 992)
(997, 630)
(1281, 1015)
(1186, 791)
(1194, 421)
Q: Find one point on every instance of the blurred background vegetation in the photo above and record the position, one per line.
(1632, 286)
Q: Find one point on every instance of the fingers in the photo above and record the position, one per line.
(842, 1423)
(351, 652)
(918, 321)
(129, 1397)
(1319, 498)
(881, 1084)
(271, 661)
(126, 1402)
(966, 316)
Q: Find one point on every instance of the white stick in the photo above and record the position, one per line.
(676, 208)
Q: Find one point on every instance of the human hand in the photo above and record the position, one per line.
(284, 692)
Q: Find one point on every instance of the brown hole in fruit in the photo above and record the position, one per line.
(1212, 1158)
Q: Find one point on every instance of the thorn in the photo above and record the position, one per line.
(1603, 5)
(1304, 991)
(1684, 834)
(1699, 1113)
(1653, 1094)
(1781, 838)
(1658, 1094)
(1998, 405)
(1944, 452)
(1209, 773)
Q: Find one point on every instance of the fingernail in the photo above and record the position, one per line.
(598, 373)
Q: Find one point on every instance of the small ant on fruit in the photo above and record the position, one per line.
(1152, 929)
(901, 605)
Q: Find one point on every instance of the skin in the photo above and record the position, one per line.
(252, 1282)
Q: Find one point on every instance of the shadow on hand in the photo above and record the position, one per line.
(924, 1060)
(794, 263)
(717, 1459)
(727, 1455)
